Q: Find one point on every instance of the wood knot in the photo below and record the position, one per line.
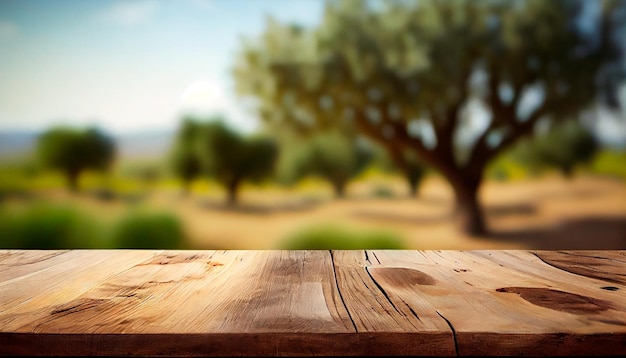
(401, 276)
(559, 300)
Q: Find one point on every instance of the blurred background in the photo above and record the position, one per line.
(310, 124)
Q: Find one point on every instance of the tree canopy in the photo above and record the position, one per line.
(232, 158)
(185, 159)
(453, 82)
(563, 146)
(331, 155)
(75, 150)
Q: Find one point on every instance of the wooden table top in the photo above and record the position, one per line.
(305, 303)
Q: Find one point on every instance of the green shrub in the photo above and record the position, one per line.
(142, 230)
(611, 163)
(46, 226)
(330, 237)
(383, 192)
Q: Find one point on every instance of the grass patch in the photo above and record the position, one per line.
(611, 163)
(47, 226)
(332, 237)
(382, 192)
(505, 168)
(44, 225)
(143, 230)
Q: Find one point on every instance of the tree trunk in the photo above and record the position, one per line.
(72, 180)
(413, 186)
(468, 211)
(233, 190)
(340, 189)
(567, 171)
(186, 188)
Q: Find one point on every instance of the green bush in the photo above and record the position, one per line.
(141, 230)
(46, 226)
(383, 192)
(330, 237)
(611, 163)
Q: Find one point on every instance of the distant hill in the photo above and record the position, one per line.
(16, 144)
(130, 146)
(144, 145)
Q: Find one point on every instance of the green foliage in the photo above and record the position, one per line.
(403, 72)
(211, 147)
(414, 171)
(146, 173)
(332, 237)
(508, 167)
(610, 162)
(46, 226)
(73, 151)
(330, 155)
(380, 191)
(563, 147)
(141, 230)
(185, 159)
(53, 226)
(232, 158)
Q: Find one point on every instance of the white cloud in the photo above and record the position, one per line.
(8, 30)
(129, 13)
(206, 97)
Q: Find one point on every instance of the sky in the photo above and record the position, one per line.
(138, 65)
(127, 66)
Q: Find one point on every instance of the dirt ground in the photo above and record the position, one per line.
(548, 213)
(551, 213)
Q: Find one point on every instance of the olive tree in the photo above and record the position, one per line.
(72, 151)
(416, 75)
(231, 158)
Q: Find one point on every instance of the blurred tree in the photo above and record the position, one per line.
(232, 158)
(73, 151)
(410, 167)
(185, 160)
(415, 76)
(333, 156)
(563, 147)
(147, 173)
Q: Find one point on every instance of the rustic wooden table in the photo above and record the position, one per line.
(305, 303)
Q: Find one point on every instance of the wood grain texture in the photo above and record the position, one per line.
(511, 302)
(307, 303)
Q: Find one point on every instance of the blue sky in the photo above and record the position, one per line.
(137, 65)
(127, 65)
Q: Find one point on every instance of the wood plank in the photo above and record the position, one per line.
(224, 301)
(375, 309)
(298, 303)
(227, 291)
(610, 267)
(510, 302)
(15, 263)
(29, 297)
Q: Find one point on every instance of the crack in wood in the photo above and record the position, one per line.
(376, 257)
(454, 337)
(412, 311)
(343, 301)
(382, 290)
(367, 258)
